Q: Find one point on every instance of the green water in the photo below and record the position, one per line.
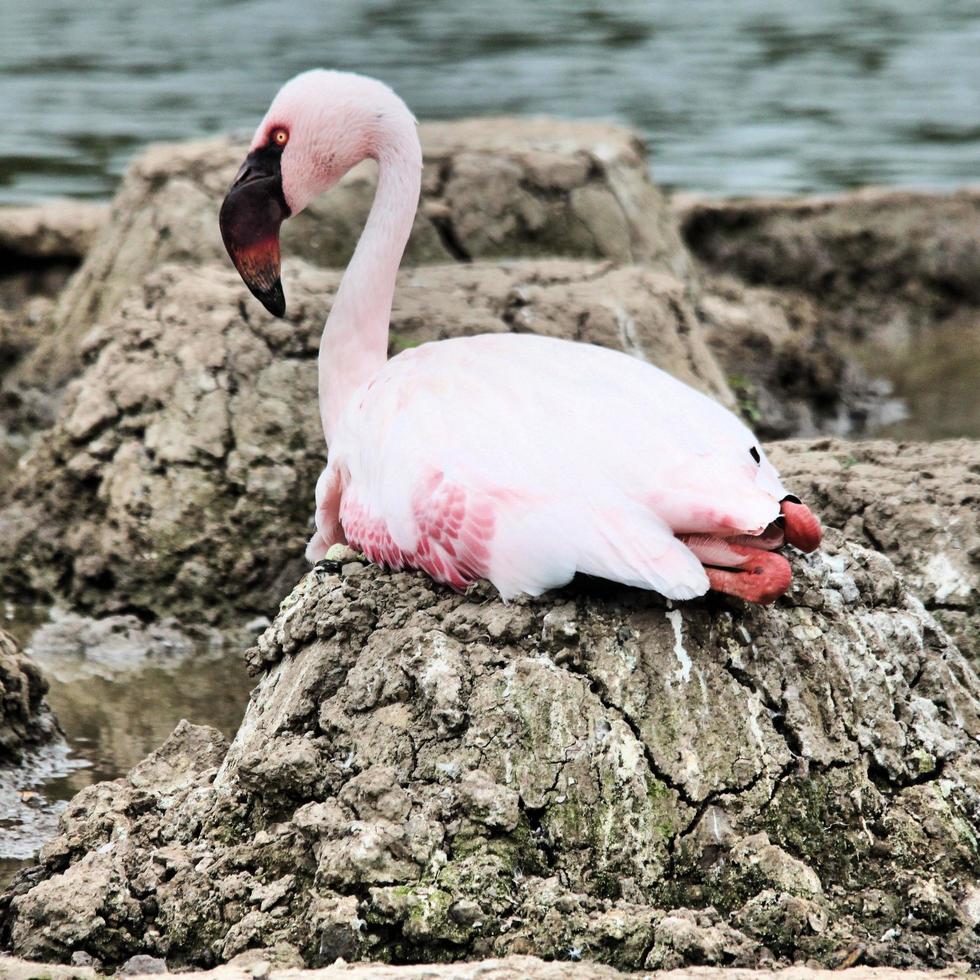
(759, 96)
(117, 694)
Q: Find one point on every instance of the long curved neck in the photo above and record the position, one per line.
(355, 339)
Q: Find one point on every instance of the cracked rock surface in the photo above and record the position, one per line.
(423, 776)
(178, 478)
(917, 502)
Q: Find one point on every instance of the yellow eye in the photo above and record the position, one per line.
(280, 137)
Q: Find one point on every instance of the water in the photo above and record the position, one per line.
(758, 96)
(118, 690)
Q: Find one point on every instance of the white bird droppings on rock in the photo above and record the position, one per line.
(677, 622)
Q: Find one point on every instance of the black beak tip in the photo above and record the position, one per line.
(274, 299)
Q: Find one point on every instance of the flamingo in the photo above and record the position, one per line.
(510, 457)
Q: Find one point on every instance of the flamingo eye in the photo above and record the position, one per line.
(279, 136)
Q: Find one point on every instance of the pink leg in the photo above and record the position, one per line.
(763, 578)
(801, 526)
(741, 567)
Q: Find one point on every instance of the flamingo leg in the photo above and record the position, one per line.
(801, 526)
(762, 579)
(740, 568)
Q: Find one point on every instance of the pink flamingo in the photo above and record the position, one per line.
(515, 458)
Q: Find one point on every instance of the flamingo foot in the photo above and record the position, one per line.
(762, 579)
(802, 529)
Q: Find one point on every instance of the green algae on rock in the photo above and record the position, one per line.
(423, 776)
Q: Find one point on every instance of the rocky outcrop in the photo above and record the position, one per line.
(25, 719)
(492, 188)
(31, 750)
(887, 280)
(784, 366)
(40, 247)
(885, 263)
(57, 229)
(915, 502)
(179, 476)
(422, 776)
(177, 479)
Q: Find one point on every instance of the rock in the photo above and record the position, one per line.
(25, 719)
(782, 361)
(24, 409)
(53, 230)
(423, 776)
(883, 263)
(179, 476)
(492, 188)
(40, 247)
(32, 751)
(505, 968)
(915, 502)
(142, 965)
(84, 960)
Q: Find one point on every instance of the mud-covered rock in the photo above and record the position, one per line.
(423, 776)
(179, 475)
(884, 263)
(782, 361)
(918, 503)
(25, 719)
(491, 188)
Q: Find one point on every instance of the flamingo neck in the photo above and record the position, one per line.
(354, 345)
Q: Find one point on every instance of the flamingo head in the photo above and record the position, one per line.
(320, 124)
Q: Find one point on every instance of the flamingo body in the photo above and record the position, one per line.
(526, 459)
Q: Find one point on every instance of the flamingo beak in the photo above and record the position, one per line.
(250, 217)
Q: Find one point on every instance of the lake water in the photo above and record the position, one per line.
(758, 96)
(117, 694)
